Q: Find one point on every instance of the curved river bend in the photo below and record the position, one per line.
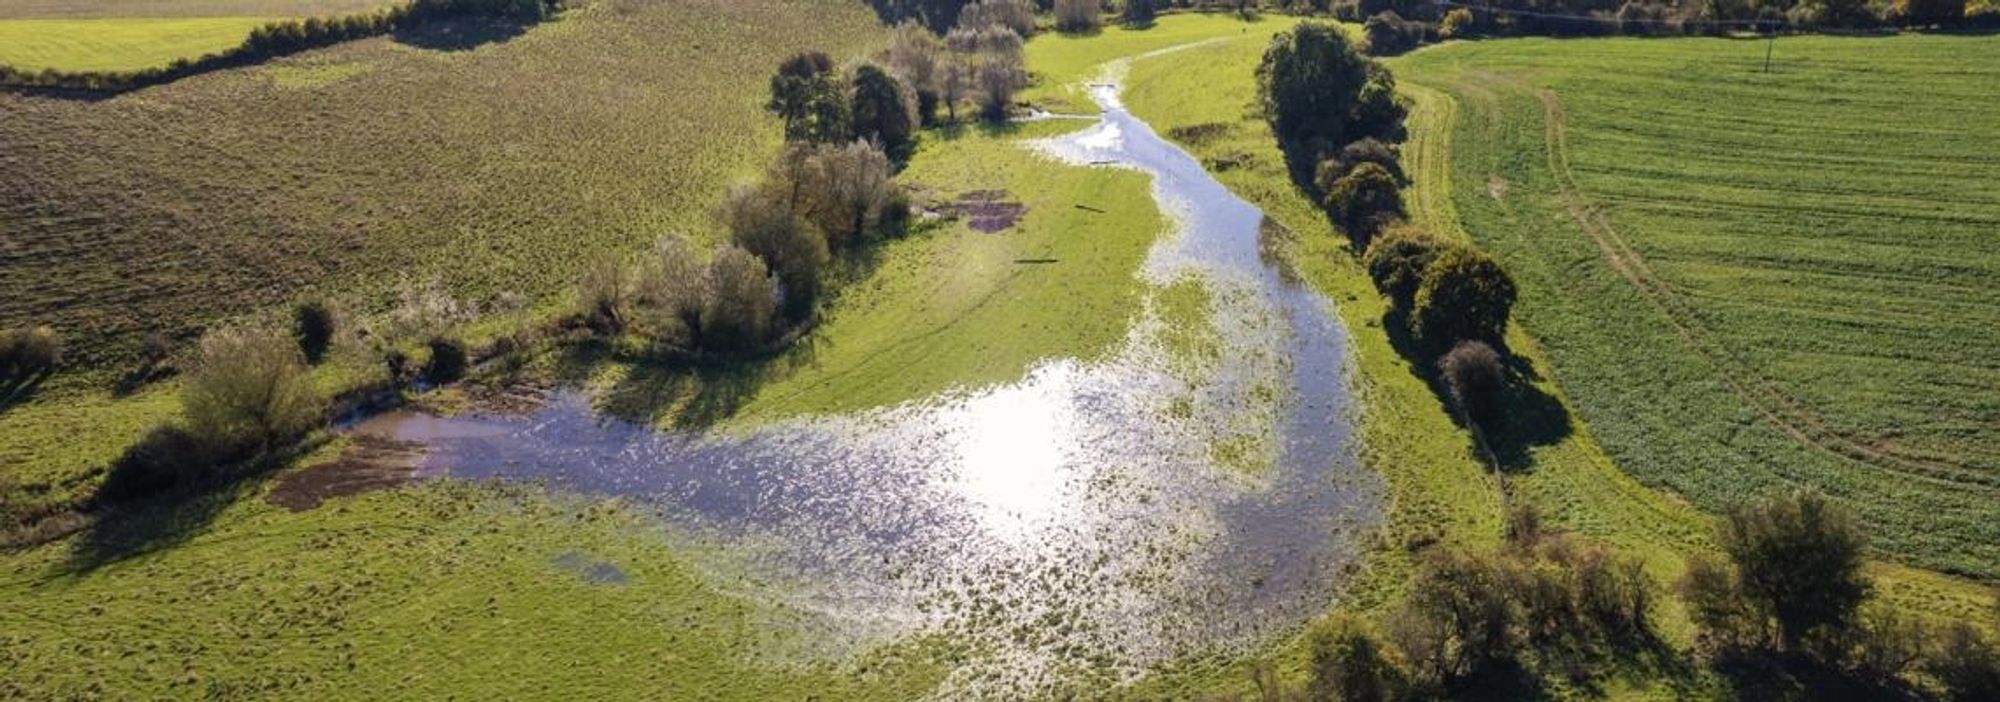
(1080, 518)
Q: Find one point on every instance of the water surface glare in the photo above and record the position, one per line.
(1086, 515)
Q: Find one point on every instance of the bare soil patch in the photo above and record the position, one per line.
(987, 210)
(369, 463)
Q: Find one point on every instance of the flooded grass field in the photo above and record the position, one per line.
(1081, 518)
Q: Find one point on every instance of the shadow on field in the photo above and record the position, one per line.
(17, 392)
(135, 513)
(460, 35)
(1772, 676)
(1528, 416)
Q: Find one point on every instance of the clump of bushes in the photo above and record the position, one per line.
(1138, 13)
(1396, 263)
(1362, 199)
(27, 353)
(1388, 34)
(737, 313)
(1543, 593)
(248, 392)
(313, 322)
(1079, 15)
(1017, 16)
(448, 360)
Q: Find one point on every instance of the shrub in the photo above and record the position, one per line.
(766, 223)
(1369, 150)
(999, 77)
(742, 298)
(1138, 13)
(1457, 619)
(1965, 664)
(1799, 561)
(448, 361)
(1457, 24)
(1308, 84)
(1351, 663)
(1397, 261)
(1717, 607)
(670, 293)
(1475, 377)
(602, 294)
(884, 112)
(845, 189)
(26, 353)
(1363, 200)
(248, 392)
(914, 54)
(1883, 645)
(1927, 12)
(1079, 15)
(313, 322)
(1464, 294)
(1388, 34)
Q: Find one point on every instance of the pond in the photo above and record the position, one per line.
(1081, 518)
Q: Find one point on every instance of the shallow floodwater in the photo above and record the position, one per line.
(1080, 519)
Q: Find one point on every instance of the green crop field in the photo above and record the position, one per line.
(1748, 279)
(125, 35)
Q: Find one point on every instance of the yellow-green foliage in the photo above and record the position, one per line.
(121, 44)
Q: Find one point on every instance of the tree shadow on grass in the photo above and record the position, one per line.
(1776, 676)
(17, 392)
(136, 511)
(1527, 416)
(459, 35)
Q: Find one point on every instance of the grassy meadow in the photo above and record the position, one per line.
(1749, 280)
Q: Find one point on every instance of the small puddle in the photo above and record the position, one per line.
(1080, 518)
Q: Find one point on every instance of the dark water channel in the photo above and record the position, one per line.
(1082, 516)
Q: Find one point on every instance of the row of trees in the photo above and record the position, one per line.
(1395, 26)
(1335, 109)
(283, 37)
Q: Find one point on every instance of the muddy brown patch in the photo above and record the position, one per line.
(987, 211)
(369, 463)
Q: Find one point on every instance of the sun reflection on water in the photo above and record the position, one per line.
(1012, 450)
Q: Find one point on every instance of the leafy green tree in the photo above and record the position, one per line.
(1465, 294)
(1799, 561)
(1363, 200)
(1475, 377)
(1308, 85)
(884, 112)
(1397, 261)
(768, 223)
(807, 96)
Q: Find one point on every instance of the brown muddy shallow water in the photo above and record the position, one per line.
(1079, 517)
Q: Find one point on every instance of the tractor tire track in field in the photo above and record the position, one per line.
(1777, 408)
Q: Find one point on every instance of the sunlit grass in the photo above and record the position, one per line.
(117, 44)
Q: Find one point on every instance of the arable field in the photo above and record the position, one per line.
(125, 35)
(1747, 279)
(342, 172)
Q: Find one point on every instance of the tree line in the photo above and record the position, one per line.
(281, 38)
(1396, 26)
